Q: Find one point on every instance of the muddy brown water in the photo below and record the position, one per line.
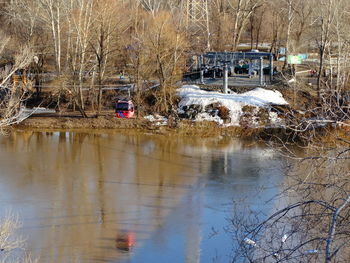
(116, 197)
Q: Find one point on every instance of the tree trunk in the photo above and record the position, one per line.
(319, 75)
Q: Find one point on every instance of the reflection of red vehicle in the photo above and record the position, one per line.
(124, 109)
(125, 241)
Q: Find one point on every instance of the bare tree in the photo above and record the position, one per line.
(108, 29)
(276, 31)
(22, 18)
(220, 24)
(324, 19)
(312, 214)
(12, 94)
(12, 246)
(257, 29)
(81, 20)
(289, 14)
(303, 12)
(241, 12)
(50, 13)
(167, 46)
(156, 51)
(153, 6)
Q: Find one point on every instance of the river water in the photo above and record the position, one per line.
(120, 197)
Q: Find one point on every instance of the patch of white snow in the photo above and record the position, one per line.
(259, 97)
(204, 116)
(157, 119)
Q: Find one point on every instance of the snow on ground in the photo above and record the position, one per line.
(193, 95)
(157, 119)
(24, 113)
(204, 116)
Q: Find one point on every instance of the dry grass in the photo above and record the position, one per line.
(224, 113)
(175, 127)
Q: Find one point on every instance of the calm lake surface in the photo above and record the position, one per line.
(116, 197)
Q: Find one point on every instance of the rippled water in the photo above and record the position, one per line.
(113, 197)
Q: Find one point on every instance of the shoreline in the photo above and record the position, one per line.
(253, 117)
(107, 121)
(72, 121)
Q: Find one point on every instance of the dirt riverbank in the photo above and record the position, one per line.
(73, 120)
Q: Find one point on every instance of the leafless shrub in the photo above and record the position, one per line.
(311, 217)
(12, 246)
(224, 113)
(12, 94)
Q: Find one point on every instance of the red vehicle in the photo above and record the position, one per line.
(124, 109)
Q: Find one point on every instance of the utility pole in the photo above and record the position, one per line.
(271, 68)
(199, 62)
(261, 79)
(225, 79)
(202, 76)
